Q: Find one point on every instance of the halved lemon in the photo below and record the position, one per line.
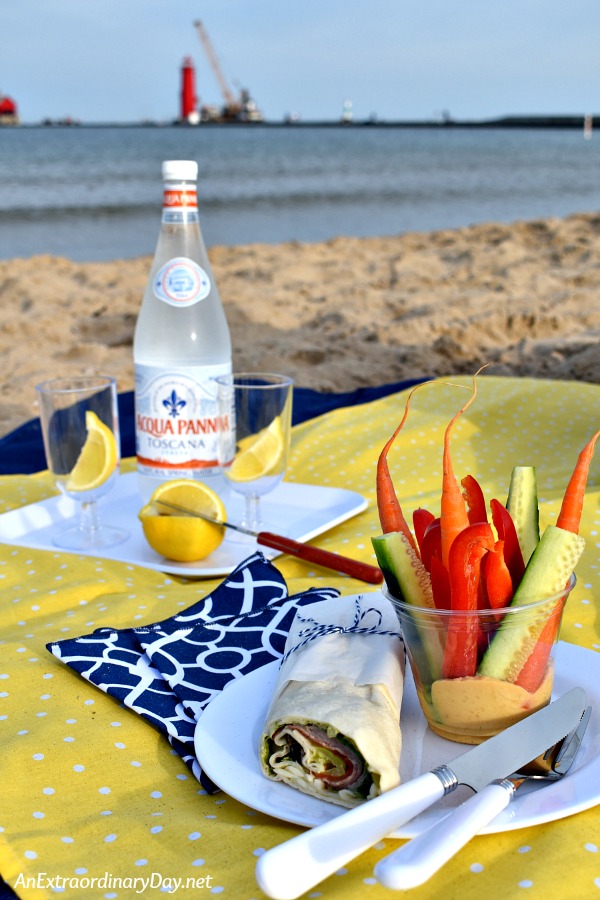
(260, 455)
(97, 459)
(176, 535)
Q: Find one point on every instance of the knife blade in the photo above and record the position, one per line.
(413, 863)
(328, 559)
(288, 870)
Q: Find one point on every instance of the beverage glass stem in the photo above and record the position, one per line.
(88, 519)
(252, 513)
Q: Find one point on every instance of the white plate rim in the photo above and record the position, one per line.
(310, 510)
(240, 709)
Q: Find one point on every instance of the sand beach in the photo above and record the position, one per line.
(337, 315)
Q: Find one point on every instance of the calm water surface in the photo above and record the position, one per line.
(95, 193)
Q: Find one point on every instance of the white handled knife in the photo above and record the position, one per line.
(415, 862)
(288, 870)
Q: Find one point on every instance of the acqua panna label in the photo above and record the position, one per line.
(181, 282)
(177, 423)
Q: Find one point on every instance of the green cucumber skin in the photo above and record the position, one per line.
(406, 578)
(547, 573)
(404, 573)
(522, 504)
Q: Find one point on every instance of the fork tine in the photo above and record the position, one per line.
(557, 760)
(571, 744)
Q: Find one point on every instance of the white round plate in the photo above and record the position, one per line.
(227, 738)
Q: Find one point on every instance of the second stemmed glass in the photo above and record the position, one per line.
(253, 450)
(80, 427)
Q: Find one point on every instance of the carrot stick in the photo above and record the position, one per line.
(388, 505)
(569, 518)
(453, 512)
(532, 674)
(391, 516)
(572, 505)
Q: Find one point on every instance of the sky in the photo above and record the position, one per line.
(120, 60)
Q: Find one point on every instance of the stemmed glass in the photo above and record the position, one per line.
(253, 450)
(80, 428)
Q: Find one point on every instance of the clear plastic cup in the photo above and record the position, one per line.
(479, 671)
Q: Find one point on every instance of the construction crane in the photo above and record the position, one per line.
(241, 109)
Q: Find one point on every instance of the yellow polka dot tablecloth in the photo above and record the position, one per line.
(95, 803)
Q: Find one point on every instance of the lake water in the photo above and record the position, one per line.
(94, 193)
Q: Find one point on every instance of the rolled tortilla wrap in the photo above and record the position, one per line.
(333, 726)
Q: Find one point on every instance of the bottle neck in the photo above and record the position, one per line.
(180, 202)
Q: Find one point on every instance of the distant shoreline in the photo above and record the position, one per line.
(514, 122)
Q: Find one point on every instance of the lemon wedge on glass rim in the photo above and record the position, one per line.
(97, 459)
(176, 535)
(260, 454)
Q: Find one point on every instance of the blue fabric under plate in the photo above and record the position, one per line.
(169, 671)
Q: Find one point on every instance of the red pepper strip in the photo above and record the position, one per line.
(533, 672)
(440, 583)
(505, 527)
(465, 559)
(466, 553)
(431, 544)
(431, 557)
(497, 578)
(474, 499)
(421, 519)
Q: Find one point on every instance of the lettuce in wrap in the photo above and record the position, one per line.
(333, 726)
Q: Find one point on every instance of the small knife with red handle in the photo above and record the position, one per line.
(354, 568)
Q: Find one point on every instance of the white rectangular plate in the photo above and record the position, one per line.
(299, 511)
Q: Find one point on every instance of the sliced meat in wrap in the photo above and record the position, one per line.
(333, 727)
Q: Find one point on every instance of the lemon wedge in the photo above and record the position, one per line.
(97, 459)
(178, 536)
(260, 455)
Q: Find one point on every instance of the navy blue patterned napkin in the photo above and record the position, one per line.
(168, 672)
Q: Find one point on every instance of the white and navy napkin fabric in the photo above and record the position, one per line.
(169, 672)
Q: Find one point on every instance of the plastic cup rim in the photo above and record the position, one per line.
(85, 383)
(237, 380)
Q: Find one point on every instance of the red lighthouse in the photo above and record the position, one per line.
(189, 102)
(8, 111)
